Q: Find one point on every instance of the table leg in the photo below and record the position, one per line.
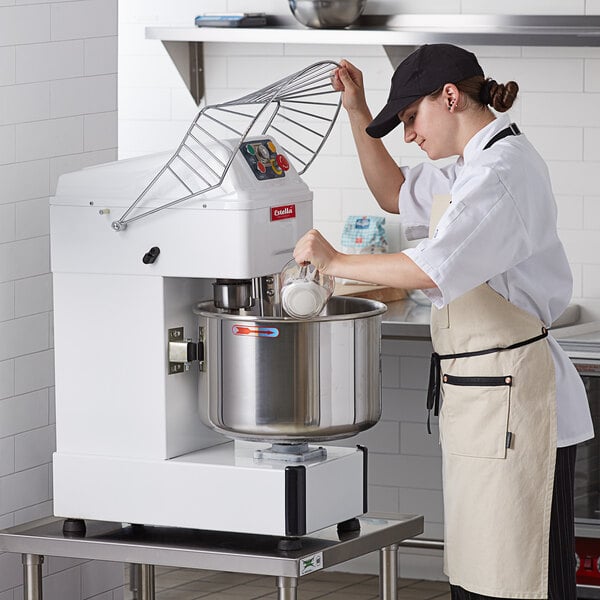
(388, 572)
(287, 588)
(146, 582)
(134, 577)
(32, 576)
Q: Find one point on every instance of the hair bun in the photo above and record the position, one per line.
(504, 96)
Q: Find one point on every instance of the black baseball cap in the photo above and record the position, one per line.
(427, 69)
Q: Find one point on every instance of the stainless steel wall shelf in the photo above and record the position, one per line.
(403, 30)
(396, 33)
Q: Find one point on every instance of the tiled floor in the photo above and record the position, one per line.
(189, 584)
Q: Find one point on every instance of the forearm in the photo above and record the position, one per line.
(394, 270)
(381, 172)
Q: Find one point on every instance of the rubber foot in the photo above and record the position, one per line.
(74, 527)
(288, 544)
(349, 526)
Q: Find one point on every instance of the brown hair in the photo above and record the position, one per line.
(484, 92)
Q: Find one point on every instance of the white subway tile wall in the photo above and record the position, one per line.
(7, 65)
(58, 103)
(7, 144)
(43, 62)
(557, 108)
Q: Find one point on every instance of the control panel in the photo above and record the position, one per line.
(264, 159)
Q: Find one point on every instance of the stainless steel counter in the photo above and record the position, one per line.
(233, 552)
(406, 319)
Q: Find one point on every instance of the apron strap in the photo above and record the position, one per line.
(435, 370)
(512, 129)
(433, 389)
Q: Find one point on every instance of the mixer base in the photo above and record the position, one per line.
(221, 488)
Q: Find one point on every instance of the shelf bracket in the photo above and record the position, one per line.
(188, 57)
(396, 54)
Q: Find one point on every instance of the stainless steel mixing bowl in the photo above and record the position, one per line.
(327, 13)
(284, 380)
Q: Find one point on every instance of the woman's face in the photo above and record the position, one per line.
(430, 124)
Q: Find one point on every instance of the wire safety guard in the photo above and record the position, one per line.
(294, 109)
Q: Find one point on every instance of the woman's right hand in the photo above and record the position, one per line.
(313, 248)
(349, 80)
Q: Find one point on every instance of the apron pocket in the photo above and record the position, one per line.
(475, 415)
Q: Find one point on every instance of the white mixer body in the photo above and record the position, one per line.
(131, 446)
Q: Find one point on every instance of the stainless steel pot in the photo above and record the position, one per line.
(290, 381)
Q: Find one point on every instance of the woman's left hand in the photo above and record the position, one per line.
(313, 248)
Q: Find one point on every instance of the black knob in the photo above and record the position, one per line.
(151, 255)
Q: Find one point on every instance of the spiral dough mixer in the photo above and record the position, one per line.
(185, 395)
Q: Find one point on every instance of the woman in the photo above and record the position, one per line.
(513, 405)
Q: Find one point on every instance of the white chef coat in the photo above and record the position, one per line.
(500, 228)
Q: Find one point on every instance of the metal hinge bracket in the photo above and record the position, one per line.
(184, 351)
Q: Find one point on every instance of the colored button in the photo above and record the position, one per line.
(282, 162)
(250, 149)
(271, 146)
(261, 167)
(276, 168)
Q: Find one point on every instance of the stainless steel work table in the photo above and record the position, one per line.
(234, 552)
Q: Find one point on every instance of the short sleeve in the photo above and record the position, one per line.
(481, 235)
(421, 183)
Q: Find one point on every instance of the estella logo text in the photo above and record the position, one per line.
(283, 212)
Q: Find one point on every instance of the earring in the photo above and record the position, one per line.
(450, 104)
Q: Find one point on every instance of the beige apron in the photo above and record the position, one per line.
(498, 437)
